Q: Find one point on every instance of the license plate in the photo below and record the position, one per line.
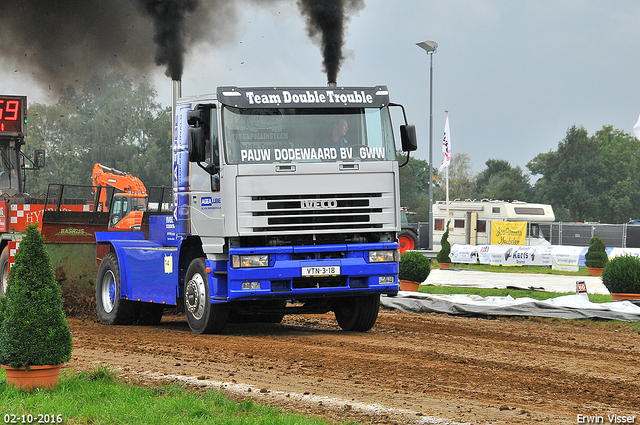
(321, 271)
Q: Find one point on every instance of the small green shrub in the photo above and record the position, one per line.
(3, 304)
(100, 372)
(414, 267)
(596, 255)
(34, 330)
(445, 247)
(622, 275)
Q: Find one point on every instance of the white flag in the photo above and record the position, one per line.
(446, 145)
(636, 129)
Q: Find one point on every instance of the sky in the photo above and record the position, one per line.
(514, 76)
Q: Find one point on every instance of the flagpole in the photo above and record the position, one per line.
(447, 179)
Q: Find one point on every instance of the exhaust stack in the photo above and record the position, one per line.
(176, 93)
(332, 84)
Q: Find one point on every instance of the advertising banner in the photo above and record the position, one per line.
(566, 258)
(508, 232)
(515, 255)
(510, 255)
(469, 254)
(563, 257)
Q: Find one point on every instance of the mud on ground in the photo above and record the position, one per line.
(408, 369)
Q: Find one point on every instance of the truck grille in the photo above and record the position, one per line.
(295, 213)
(317, 203)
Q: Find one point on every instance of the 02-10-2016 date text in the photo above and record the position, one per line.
(32, 419)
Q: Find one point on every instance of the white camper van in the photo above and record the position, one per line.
(471, 220)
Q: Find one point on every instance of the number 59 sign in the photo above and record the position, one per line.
(13, 115)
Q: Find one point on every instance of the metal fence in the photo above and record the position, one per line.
(579, 234)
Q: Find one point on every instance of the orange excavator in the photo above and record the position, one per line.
(128, 204)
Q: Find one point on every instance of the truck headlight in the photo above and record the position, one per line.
(384, 256)
(239, 261)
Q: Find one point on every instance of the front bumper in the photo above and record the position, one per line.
(283, 278)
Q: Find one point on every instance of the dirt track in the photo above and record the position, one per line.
(418, 367)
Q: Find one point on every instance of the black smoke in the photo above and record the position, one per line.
(62, 41)
(169, 23)
(326, 21)
(65, 42)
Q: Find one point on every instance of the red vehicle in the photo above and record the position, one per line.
(68, 224)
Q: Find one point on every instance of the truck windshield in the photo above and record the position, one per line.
(307, 135)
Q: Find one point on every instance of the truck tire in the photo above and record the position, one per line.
(407, 240)
(4, 271)
(150, 314)
(112, 310)
(357, 313)
(203, 317)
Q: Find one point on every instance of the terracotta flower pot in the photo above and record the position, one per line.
(594, 271)
(36, 377)
(444, 265)
(408, 285)
(619, 296)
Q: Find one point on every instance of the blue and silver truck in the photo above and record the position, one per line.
(284, 201)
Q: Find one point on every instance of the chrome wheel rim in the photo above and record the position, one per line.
(195, 296)
(108, 291)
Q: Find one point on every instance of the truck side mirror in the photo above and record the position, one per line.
(197, 142)
(195, 117)
(38, 158)
(408, 137)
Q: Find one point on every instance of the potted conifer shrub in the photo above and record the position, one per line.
(596, 257)
(35, 338)
(444, 261)
(414, 269)
(621, 276)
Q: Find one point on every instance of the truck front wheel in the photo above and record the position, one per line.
(112, 310)
(203, 317)
(357, 313)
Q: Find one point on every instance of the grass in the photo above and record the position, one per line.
(515, 269)
(515, 293)
(614, 325)
(100, 397)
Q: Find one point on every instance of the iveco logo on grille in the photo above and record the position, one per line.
(316, 204)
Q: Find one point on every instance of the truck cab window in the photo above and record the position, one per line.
(277, 135)
(213, 149)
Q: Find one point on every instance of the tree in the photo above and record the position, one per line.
(461, 179)
(570, 176)
(617, 176)
(49, 130)
(34, 329)
(502, 181)
(111, 121)
(414, 187)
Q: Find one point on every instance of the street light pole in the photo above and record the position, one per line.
(430, 47)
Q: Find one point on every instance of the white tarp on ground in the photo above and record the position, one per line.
(543, 282)
(565, 307)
